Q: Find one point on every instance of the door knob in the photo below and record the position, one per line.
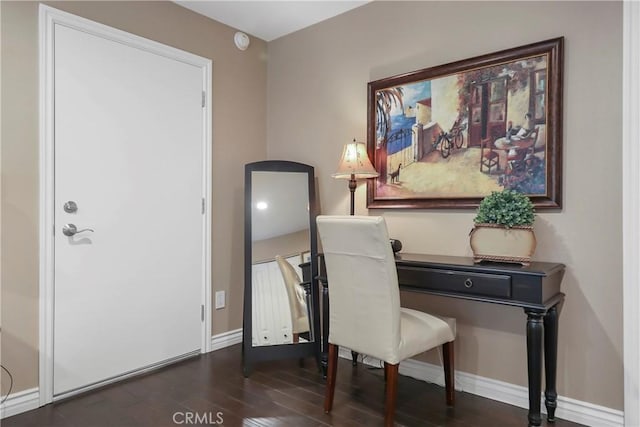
(71, 230)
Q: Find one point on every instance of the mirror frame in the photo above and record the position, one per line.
(251, 354)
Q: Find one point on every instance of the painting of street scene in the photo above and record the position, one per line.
(465, 134)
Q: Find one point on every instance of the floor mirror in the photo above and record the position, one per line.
(281, 316)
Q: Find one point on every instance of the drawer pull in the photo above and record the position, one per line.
(468, 283)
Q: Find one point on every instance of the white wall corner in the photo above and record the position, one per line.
(22, 401)
(568, 409)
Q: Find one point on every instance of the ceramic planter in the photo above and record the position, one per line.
(492, 242)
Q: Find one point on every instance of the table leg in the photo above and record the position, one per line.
(325, 329)
(534, 363)
(551, 361)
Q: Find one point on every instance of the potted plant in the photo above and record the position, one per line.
(503, 228)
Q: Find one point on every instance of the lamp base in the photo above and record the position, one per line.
(352, 188)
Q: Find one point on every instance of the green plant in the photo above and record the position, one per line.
(506, 207)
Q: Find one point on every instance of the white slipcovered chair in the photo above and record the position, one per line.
(297, 298)
(364, 305)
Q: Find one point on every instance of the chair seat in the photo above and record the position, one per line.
(489, 158)
(421, 331)
(490, 155)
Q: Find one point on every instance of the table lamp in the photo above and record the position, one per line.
(354, 165)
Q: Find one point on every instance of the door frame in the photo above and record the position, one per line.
(631, 210)
(48, 18)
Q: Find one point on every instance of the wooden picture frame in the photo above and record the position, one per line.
(446, 136)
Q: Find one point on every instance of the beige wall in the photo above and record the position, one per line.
(317, 101)
(239, 129)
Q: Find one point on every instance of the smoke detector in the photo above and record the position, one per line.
(241, 40)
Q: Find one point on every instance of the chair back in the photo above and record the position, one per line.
(296, 295)
(486, 144)
(489, 143)
(364, 299)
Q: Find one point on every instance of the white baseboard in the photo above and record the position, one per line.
(226, 339)
(20, 402)
(568, 409)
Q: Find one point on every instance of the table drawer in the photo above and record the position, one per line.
(492, 285)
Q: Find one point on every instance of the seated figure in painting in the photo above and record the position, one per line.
(521, 132)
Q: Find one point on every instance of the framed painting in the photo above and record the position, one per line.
(446, 136)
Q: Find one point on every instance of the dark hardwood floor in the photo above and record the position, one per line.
(211, 389)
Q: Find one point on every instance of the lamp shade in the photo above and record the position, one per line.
(355, 163)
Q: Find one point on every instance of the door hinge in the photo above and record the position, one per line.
(202, 312)
(204, 203)
(204, 96)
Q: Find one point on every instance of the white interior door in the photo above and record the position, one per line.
(128, 144)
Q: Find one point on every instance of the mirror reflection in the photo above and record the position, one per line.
(280, 243)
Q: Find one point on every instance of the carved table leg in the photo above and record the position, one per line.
(551, 361)
(534, 363)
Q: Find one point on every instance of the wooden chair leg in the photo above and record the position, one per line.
(447, 356)
(391, 392)
(331, 377)
(354, 358)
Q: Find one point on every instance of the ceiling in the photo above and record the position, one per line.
(269, 20)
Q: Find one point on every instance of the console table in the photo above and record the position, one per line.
(535, 288)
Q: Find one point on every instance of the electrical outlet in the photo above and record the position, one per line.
(220, 299)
